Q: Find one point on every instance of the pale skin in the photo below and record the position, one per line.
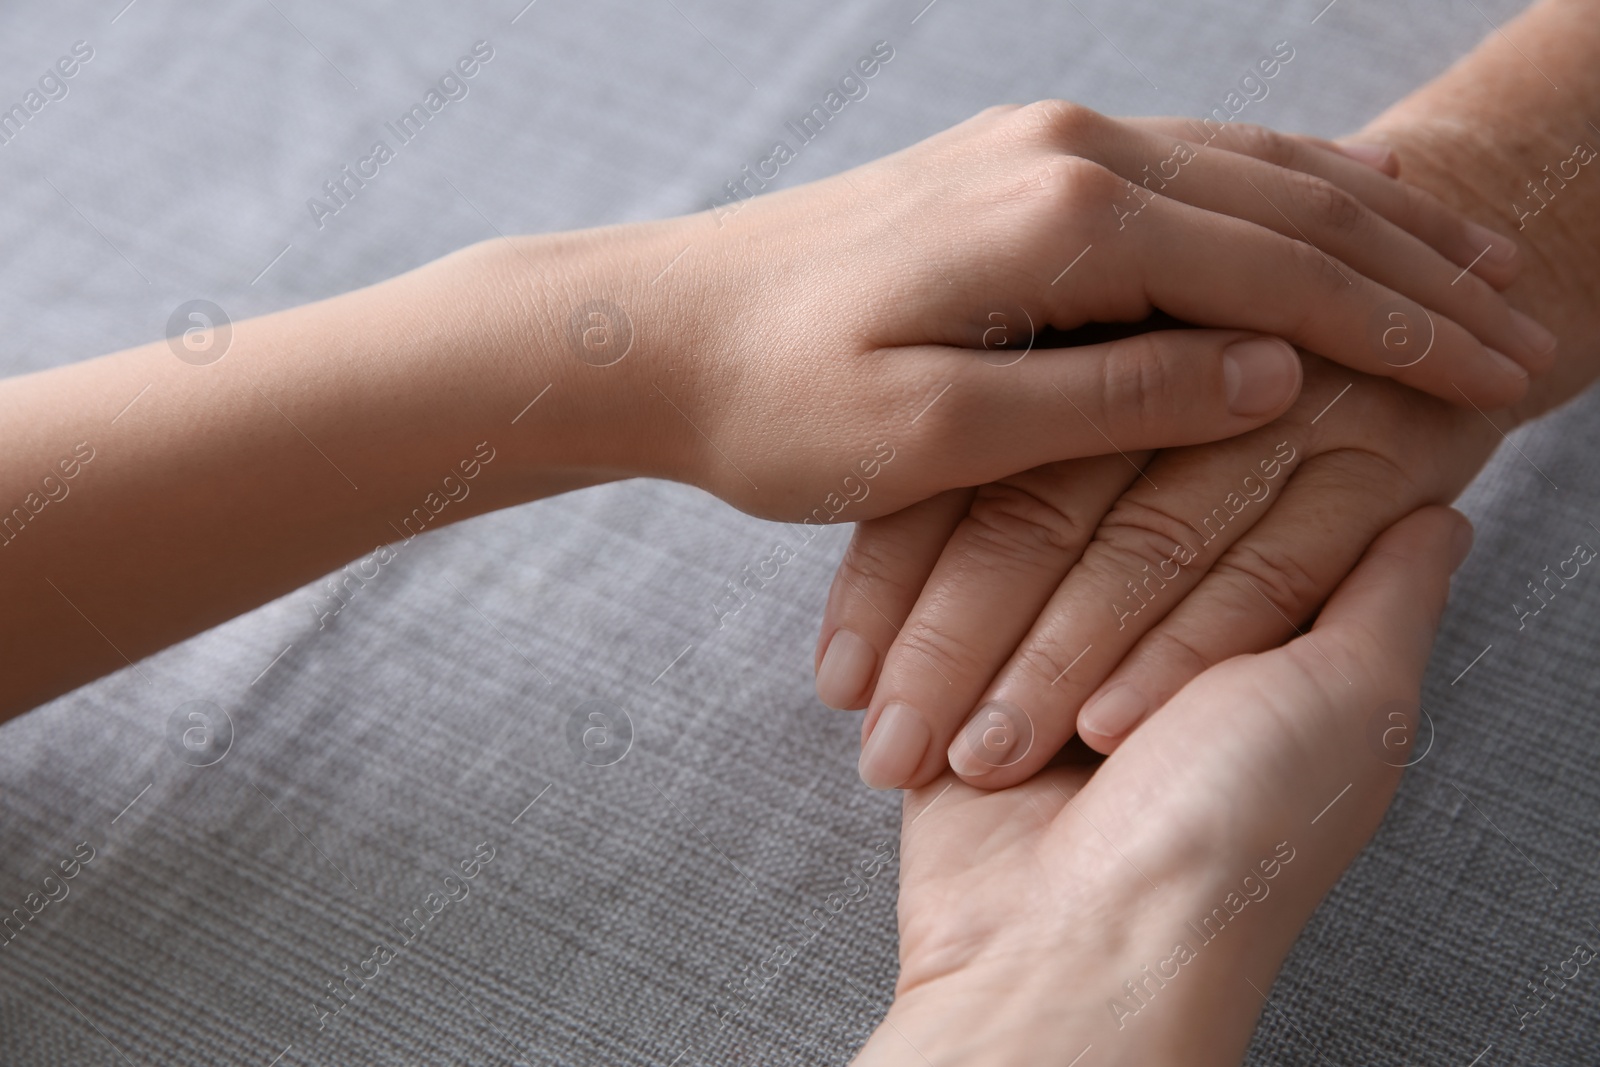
(772, 365)
(1042, 920)
(1088, 586)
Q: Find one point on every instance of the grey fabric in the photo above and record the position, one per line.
(370, 757)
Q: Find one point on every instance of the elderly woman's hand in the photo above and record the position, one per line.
(1081, 595)
(1143, 908)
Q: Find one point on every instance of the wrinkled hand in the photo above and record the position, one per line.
(1081, 595)
(1218, 827)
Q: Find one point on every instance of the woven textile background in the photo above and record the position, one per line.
(430, 720)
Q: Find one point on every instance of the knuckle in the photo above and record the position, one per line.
(1135, 382)
(931, 642)
(1067, 185)
(1062, 190)
(1419, 212)
(1084, 182)
(1327, 279)
(996, 110)
(1277, 574)
(1185, 656)
(1058, 123)
(1009, 522)
(1144, 533)
(871, 562)
(1384, 483)
(1039, 662)
(1330, 207)
(1260, 142)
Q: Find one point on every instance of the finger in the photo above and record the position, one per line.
(1148, 552)
(1322, 212)
(1213, 270)
(874, 587)
(1152, 390)
(1493, 256)
(1019, 538)
(1257, 594)
(1390, 606)
(1287, 734)
(1380, 157)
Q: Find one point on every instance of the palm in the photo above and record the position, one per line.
(1243, 759)
(975, 862)
(1027, 912)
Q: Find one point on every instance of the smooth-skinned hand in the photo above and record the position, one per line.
(882, 288)
(1143, 907)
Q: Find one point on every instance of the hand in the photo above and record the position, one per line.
(1024, 912)
(1083, 587)
(1092, 585)
(816, 330)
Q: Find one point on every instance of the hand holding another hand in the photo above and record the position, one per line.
(820, 323)
(1144, 906)
(975, 626)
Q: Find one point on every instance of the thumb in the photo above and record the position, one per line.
(1152, 390)
(1387, 611)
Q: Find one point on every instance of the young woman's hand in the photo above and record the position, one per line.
(1144, 907)
(791, 343)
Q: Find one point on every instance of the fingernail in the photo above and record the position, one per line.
(895, 748)
(1113, 714)
(1261, 374)
(1377, 156)
(999, 735)
(845, 670)
(1460, 544)
(1507, 364)
(1540, 340)
(1496, 247)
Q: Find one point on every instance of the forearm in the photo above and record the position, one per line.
(1496, 137)
(320, 434)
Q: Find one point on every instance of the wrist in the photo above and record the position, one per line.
(1493, 140)
(1136, 973)
(578, 348)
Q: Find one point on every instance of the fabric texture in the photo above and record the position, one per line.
(622, 909)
